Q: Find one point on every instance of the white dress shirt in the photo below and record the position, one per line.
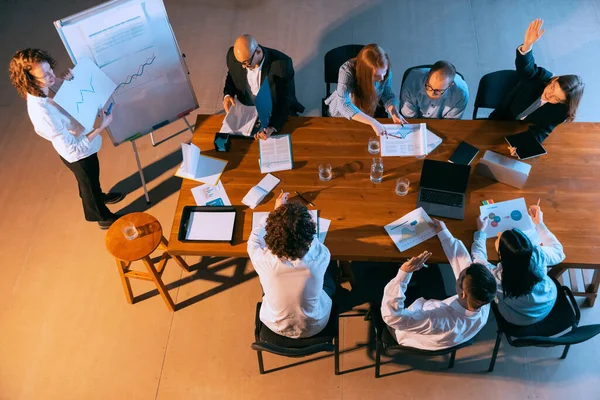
(294, 303)
(253, 79)
(53, 123)
(432, 324)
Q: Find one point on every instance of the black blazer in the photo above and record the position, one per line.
(278, 68)
(532, 81)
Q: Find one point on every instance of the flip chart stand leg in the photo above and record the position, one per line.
(139, 165)
(189, 126)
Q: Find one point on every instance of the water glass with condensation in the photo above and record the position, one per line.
(374, 145)
(402, 185)
(325, 173)
(129, 230)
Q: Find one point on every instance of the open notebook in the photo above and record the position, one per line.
(198, 167)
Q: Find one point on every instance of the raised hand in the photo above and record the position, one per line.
(415, 263)
(533, 34)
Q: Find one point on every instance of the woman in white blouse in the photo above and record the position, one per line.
(31, 72)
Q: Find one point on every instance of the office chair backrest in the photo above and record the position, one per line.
(334, 60)
(564, 315)
(493, 89)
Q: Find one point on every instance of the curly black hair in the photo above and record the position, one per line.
(290, 231)
(20, 71)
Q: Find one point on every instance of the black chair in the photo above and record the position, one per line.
(387, 345)
(326, 340)
(333, 61)
(417, 67)
(493, 88)
(564, 315)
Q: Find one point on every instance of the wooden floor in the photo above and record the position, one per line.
(66, 331)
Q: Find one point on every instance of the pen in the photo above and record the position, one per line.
(397, 226)
(299, 195)
(538, 204)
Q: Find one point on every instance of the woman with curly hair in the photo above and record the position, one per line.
(292, 265)
(31, 72)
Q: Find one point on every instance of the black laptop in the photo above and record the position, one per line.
(442, 188)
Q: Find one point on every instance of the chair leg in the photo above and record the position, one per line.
(378, 359)
(336, 350)
(121, 265)
(164, 243)
(261, 366)
(452, 358)
(495, 353)
(564, 354)
(159, 283)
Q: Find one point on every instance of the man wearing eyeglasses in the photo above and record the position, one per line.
(436, 92)
(248, 65)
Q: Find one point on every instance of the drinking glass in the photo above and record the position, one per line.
(402, 185)
(325, 173)
(377, 170)
(374, 145)
(129, 230)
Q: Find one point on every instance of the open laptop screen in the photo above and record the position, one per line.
(446, 176)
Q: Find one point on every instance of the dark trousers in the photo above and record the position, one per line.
(87, 173)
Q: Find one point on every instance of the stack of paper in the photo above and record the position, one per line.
(211, 195)
(216, 226)
(507, 215)
(260, 191)
(276, 154)
(198, 167)
(412, 229)
(240, 120)
(408, 140)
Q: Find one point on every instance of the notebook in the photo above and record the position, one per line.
(260, 191)
(276, 154)
(198, 167)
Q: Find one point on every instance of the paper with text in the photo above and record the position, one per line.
(506, 215)
(407, 140)
(211, 195)
(199, 168)
(276, 154)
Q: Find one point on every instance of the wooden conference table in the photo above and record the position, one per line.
(567, 180)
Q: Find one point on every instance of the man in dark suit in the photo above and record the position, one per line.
(248, 65)
(539, 98)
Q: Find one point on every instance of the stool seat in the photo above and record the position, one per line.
(126, 251)
(149, 235)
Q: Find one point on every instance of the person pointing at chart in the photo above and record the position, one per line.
(31, 73)
(248, 65)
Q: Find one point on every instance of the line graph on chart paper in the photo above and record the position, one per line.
(139, 76)
(82, 91)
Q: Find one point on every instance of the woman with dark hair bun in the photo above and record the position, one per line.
(32, 74)
(526, 294)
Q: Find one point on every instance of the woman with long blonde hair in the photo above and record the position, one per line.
(363, 83)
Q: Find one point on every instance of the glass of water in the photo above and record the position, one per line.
(129, 230)
(325, 173)
(374, 145)
(377, 170)
(402, 185)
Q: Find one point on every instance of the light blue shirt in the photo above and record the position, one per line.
(340, 102)
(416, 104)
(535, 306)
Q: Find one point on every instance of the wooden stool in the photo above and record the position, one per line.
(126, 251)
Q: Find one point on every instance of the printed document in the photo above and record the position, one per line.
(276, 154)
